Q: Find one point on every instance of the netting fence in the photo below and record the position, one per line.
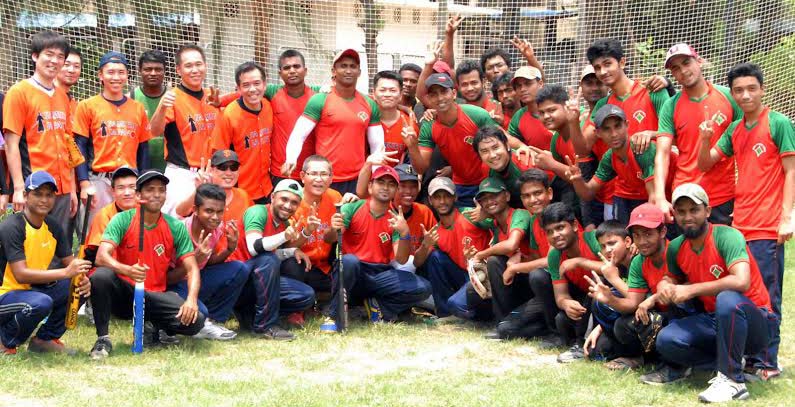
(391, 32)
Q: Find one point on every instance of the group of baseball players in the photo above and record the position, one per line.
(641, 226)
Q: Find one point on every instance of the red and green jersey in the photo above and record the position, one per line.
(367, 236)
(510, 176)
(758, 149)
(537, 238)
(486, 103)
(517, 219)
(189, 128)
(631, 175)
(641, 107)
(561, 148)
(598, 150)
(645, 274)
(341, 130)
(286, 111)
(393, 136)
(680, 119)
(258, 219)
(724, 246)
(168, 240)
(528, 128)
(589, 249)
(455, 143)
(464, 232)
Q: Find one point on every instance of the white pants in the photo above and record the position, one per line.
(181, 184)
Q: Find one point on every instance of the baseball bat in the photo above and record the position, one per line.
(74, 297)
(138, 298)
(342, 302)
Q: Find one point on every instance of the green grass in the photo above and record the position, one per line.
(385, 365)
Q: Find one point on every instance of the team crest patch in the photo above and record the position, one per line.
(362, 116)
(639, 115)
(716, 270)
(759, 149)
(160, 249)
(469, 140)
(466, 241)
(384, 237)
(719, 118)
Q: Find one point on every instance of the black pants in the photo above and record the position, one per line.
(573, 332)
(112, 295)
(564, 192)
(315, 277)
(505, 298)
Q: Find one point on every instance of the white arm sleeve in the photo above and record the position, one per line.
(300, 132)
(269, 243)
(375, 138)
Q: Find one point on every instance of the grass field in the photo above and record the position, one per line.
(386, 365)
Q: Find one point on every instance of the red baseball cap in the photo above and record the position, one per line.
(386, 171)
(443, 67)
(679, 49)
(647, 215)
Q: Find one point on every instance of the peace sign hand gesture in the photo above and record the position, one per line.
(312, 221)
(382, 157)
(398, 223)
(573, 105)
(430, 237)
(573, 171)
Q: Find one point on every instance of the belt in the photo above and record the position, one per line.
(102, 174)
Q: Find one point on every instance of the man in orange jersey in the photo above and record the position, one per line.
(37, 127)
(224, 171)
(70, 75)
(397, 124)
(186, 119)
(341, 120)
(122, 183)
(111, 128)
(246, 126)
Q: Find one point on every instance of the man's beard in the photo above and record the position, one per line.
(694, 233)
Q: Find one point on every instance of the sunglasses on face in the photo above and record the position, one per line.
(228, 167)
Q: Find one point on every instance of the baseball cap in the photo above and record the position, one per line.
(490, 185)
(587, 70)
(679, 49)
(123, 171)
(39, 178)
(350, 52)
(527, 72)
(606, 111)
(149, 175)
(386, 171)
(223, 156)
(113, 57)
(441, 184)
(443, 67)
(692, 191)
(406, 173)
(646, 215)
(289, 185)
(441, 79)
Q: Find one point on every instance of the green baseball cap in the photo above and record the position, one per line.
(490, 185)
(289, 185)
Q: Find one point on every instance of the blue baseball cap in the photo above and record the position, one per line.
(114, 57)
(38, 179)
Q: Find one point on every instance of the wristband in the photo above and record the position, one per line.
(407, 237)
(303, 233)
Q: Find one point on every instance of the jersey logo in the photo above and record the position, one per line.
(639, 174)
(384, 237)
(466, 241)
(716, 270)
(469, 140)
(160, 249)
(719, 118)
(40, 123)
(759, 149)
(639, 115)
(192, 124)
(362, 116)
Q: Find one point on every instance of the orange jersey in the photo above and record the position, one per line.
(315, 247)
(189, 128)
(44, 124)
(237, 206)
(114, 131)
(248, 133)
(420, 216)
(286, 111)
(99, 223)
(393, 136)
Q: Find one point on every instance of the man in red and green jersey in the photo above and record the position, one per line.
(453, 131)
(120, 265)
(342, 121)
(763, 143)
(442, 252)
(505, 94)
(472, 87)
(373, 235)
(526, 127)
(491, 145)
(710, 264)
(680, 121)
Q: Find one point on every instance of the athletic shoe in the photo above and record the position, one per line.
(763, 375)
(215, 332)
(665, 375)
(493, 335)
(7, 351)
(101, 349)
(574, 354)
(723, 389)
(328, 326)
(296, 319)
(373, 310)
(52, 346)
(276, 333)
(166, 339)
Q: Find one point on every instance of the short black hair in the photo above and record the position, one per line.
(209, 191)
(495, 52)
(466, 67)
(247, 67)
(557, 212)
(746, 69)
(554, 92)
(391, 75)
(410, 67)
(612, 227)
(504, 79)
(534, 175)
(487, 132)
(48, 39)
(291, 53)
(185, 48)
(76, 51)
(605, 47)
(152, 55)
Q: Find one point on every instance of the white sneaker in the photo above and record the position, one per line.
(215, 332)
(723, 389)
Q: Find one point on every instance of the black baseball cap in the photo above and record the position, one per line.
(441, 79)
(150, 175)
(224, 156)
(406, 173)
(123, 171)
(606, 111)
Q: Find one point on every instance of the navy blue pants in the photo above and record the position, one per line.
(447, 279)
(622, 208)
(22, 310)
(465, 195)
(769, 256)
(708, 341)
(220, 288)
(395, 290)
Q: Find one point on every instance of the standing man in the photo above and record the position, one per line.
(70, 75)
(763, 143)
(152, 74)
(245, 127)
(471, 86)
(186, 119)
(526, 126)
(410, 73)
(396, 123)
(342, 120)
(502, 90)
